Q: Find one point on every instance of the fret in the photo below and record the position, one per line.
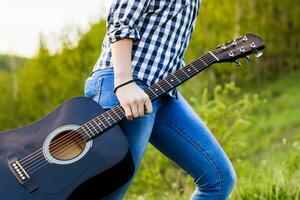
(160, 87)
(203, 62)
(166, 80)
(100, 120)
(179, 76)
(117, 114)
(91, 122)
(156, 89)
(120, 108)
(185, 73)
(89, 128)
(173, 82)
(176, 78)
(194, 67)
(152, 91)
(215, 57)
(97, 124)
(191, 71)
(106, 118)
(108, 112)
(86, 131)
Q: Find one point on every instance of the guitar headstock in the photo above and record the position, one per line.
(239, 48)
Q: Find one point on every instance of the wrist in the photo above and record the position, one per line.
(121, 77)
(122, 84)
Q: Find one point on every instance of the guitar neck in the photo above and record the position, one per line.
(177, 78)
(113, 116)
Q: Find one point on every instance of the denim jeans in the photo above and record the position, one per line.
(176, 131)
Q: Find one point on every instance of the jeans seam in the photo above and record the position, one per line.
(200, 150)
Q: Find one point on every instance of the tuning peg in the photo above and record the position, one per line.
(219, 46)
(236, 63)
(247, 58)
(259, 54)
(253, 45)
(245, 38)
(223, 46)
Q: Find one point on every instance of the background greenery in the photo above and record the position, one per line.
(254, 111)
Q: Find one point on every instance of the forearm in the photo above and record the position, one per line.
(138, 102)
(121, 58)
(122, 30)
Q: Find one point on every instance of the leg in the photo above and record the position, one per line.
(100, 88)
(138, 133)
(187, 141)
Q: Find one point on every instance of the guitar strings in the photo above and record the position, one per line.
(112, 118)
(76, 133)
(66, 136)
(83, 129)
(71, 136)
(182, 74)
(102, 117)
(45, 163)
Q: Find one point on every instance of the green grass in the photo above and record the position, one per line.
(270, 165)
(265, 152)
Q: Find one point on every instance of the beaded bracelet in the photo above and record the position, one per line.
(130, 81)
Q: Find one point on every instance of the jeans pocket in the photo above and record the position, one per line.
(100, 88)
(92, 88)
(107, 97)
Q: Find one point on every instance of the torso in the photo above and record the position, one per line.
(165, 31)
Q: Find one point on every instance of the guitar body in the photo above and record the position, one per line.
(103, 165)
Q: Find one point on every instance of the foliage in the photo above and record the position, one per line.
(260, 135)
(274, 20)
(8, 61)
(48, 80)
(260, 132)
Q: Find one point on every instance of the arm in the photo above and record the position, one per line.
(132, 98)
(124, 15)
(123, 18)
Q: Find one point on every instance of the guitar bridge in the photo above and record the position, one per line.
(20, 173)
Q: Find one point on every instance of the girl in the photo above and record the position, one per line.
(144, 43)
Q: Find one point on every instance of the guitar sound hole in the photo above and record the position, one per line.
(66, 145)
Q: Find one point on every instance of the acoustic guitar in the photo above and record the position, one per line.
(78, 150)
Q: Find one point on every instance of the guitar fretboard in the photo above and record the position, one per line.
(113, 116)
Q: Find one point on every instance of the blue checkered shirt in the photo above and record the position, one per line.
(161, 30)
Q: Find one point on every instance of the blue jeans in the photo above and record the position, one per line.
(175, 130)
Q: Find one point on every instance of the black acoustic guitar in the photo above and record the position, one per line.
(78, 150)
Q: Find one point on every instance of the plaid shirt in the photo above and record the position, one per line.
(161, 30)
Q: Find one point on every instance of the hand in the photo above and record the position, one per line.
(135, 102)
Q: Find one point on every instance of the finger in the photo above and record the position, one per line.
(148, 106)
(128, 112)
(141, 108)
(134, 110)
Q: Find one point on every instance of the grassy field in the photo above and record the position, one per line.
(270, 165)
(265, 152)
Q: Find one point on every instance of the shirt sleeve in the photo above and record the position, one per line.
(123, 17)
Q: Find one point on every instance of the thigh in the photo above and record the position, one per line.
(181, 135)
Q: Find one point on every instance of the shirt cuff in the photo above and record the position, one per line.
(116, 33)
